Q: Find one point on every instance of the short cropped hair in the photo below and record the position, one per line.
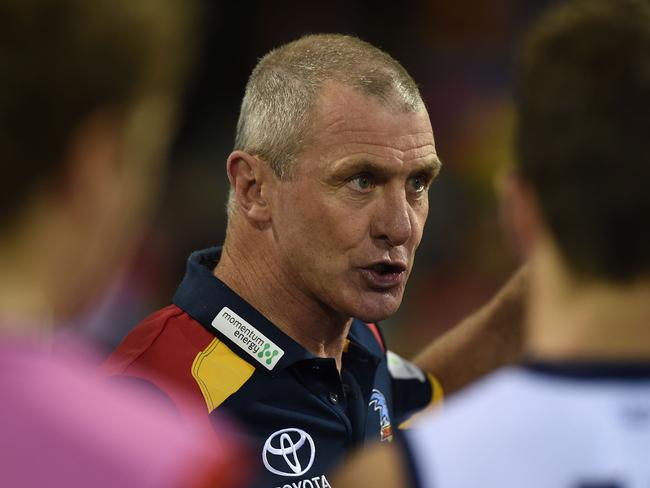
(62, 61)
(283, 88)
(583, 142)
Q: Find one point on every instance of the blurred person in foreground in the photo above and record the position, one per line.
(333, 159)
(87, 94)
(577, 413)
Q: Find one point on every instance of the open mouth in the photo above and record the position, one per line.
(384, 276)
(383, 269)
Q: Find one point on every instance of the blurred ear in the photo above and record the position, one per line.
(520, 215)
(87, 211)
(92, 177)
(251, 179)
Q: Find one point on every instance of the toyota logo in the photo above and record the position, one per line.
(289, 452)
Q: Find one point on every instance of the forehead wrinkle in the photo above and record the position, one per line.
(399, 145)
(341, 127)
(427, 149)
(373, 133)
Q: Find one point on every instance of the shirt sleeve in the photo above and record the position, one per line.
(413, 389)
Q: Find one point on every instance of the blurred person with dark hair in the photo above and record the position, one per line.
(577, 413)
(333, 159)
(87, 95)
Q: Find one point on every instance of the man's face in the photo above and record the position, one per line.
(348, 221)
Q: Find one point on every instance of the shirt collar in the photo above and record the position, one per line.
(591, 369)
(203, 296)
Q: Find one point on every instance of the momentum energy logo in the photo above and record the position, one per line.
(251, 340)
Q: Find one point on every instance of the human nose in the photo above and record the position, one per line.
(392, 222)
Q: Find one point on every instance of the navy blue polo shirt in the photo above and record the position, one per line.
(302, 415)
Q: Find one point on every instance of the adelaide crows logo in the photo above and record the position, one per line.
(378, 403)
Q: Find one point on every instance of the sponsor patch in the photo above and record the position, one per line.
(289, 452)
(247, 337)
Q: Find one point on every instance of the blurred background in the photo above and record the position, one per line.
(461, 55)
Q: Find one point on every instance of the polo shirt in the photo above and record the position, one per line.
(301, 414)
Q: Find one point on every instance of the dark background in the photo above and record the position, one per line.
(460, 53)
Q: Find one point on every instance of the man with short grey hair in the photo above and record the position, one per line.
(576, 413)
(284, 86)
(333, 159)
(275, 115)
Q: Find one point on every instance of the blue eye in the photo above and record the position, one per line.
(362, 182)
(418, 183)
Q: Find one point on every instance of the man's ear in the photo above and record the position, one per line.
(93, 175)
(251, 179)
(520, 213)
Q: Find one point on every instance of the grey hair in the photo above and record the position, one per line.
(276, 111)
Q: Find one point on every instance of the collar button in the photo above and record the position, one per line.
(334, 398)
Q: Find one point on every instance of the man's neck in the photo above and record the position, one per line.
(260, 280)
(574, 319)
